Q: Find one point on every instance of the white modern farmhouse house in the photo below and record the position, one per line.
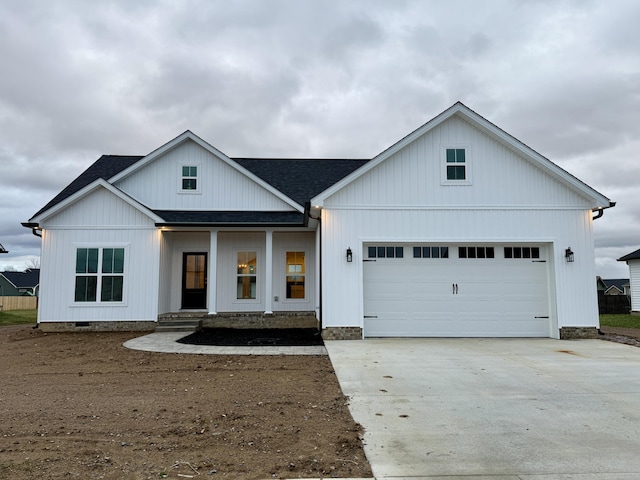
(457, 230)
(633, 261)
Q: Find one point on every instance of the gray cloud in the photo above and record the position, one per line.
(331, 78)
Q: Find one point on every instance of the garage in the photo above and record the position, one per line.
(456, 290)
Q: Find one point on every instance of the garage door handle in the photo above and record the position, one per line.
(454, 287)
(540, 317)
(371, 316)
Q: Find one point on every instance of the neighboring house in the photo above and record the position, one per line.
(20, 283)
(458, 229)
(633, 260)
(616, 286)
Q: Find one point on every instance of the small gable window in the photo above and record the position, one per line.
(456, 164)
(456, 167)
(189, 177)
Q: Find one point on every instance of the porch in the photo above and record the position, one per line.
(256, 278)
(193, 321)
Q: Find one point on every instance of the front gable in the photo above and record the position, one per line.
(98, 205)
(494, 175)
(498, 171)
(214, 182)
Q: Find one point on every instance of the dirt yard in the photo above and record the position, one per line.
(83, 406)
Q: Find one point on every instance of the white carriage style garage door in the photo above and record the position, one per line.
(419, 290)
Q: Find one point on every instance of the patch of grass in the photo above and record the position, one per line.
(624, 321)
(18, 317)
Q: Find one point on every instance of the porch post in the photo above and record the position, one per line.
(213, 268)
(268, 288)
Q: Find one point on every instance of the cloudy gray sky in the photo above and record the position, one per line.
(293, 78)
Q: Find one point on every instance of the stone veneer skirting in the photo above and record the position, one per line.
(108, 326)
(342, 333)
(578, 333)
(260, 320)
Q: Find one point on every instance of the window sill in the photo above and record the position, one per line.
(98, 304)
(456, 182)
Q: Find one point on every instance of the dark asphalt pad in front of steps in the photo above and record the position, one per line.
(251, 337)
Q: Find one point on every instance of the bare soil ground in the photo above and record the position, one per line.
(80, 405)
(630, 336)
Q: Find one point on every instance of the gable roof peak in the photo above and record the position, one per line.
(490, 129)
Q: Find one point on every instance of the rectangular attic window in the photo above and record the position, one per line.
(189, 177)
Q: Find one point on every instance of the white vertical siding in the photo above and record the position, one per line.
(101, 220)
(228, 246)
(293, 242)
(634, 271)
(177, 244)
(572, 286)
(157, 185)
(229, 243)
(509, 199)
(99, 208)
(166, 273)
(413, 176)
(141, 272)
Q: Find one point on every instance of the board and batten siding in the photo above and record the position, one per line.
(100, 220)
(221, 187)
(176, 244)
(294, 242)
(58, 275)
(100, 208)
(572, 292)
(229, 243)
(412, 177)
(634, 275)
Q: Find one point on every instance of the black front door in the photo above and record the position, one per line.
(194, 280)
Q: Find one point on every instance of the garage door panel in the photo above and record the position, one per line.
(454, 297)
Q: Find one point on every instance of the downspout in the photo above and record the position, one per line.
(600, 211)
(318, 218)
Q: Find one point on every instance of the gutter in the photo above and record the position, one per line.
(35, 228)
(600, 211)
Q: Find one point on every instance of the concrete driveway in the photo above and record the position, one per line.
(507, 409)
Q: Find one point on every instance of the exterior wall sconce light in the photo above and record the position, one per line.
(568, 255)
(349, 255)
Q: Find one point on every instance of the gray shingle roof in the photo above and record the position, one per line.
(105, 167)
(28, 279)
(298, 179)
(221, 218)
(631, 256)
(619, 283)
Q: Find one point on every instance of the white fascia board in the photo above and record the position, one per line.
(599, 200)
(92, 187)
(189, 135)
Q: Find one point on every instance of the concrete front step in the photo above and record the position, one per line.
(177, 328)
(179, 323)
